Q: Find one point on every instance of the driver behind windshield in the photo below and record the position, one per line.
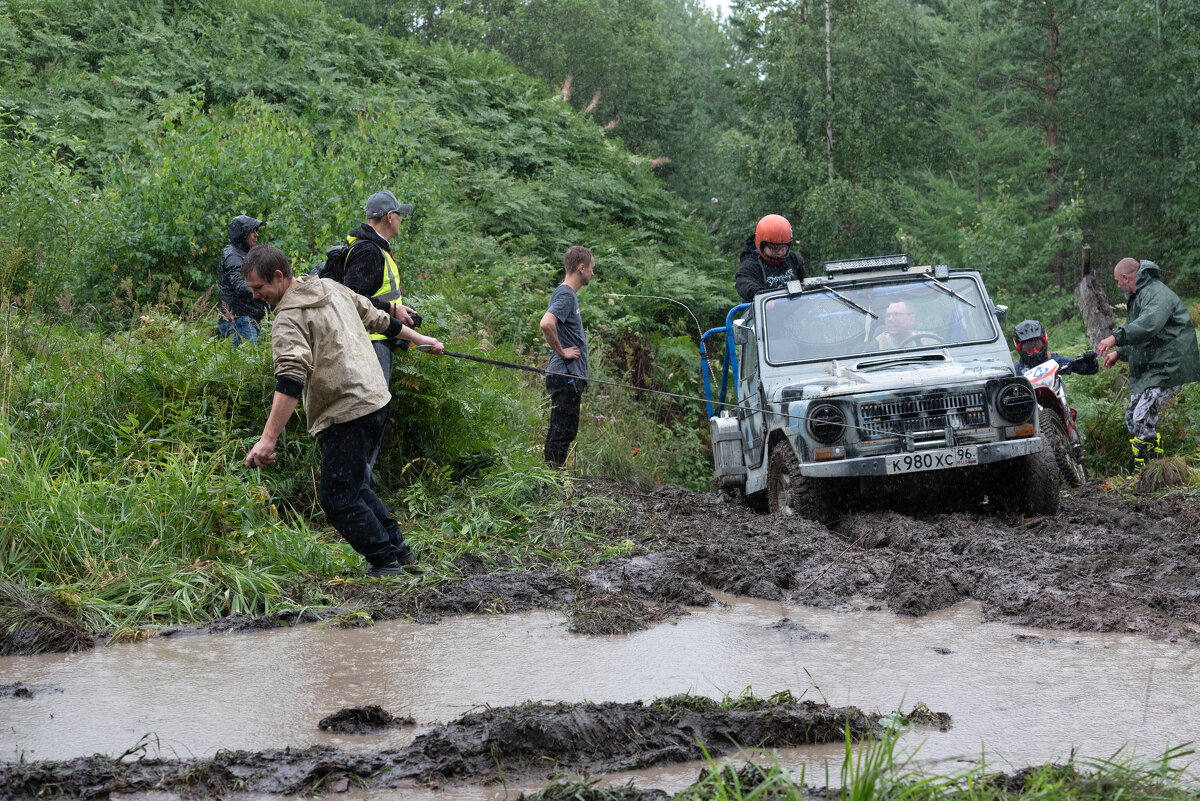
(898, 322)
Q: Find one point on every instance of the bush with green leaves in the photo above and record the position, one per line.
(169, 208)
(47, 215)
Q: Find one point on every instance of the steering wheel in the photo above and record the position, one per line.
(919, 337)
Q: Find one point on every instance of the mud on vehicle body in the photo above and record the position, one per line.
(829, 408)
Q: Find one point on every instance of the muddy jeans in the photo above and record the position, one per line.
(345, 492)
(1141, 415)
(565, 394)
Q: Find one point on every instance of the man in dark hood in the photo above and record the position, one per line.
(767, 260)
(1158, 340)
(240, 314)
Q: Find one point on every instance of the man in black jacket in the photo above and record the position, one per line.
(372, 272)
(767, 260)
(239, 314)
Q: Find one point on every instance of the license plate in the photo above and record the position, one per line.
(932, 460)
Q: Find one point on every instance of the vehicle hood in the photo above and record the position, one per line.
(860, 376)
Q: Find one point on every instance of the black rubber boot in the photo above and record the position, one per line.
(390, 569)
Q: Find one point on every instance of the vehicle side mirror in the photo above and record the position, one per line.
(740, 332)
(1001, 314)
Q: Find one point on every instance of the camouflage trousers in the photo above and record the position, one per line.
(1141, 415)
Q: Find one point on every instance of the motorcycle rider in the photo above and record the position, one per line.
(1030, 340)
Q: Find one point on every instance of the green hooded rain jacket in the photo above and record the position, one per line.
(1158, 338)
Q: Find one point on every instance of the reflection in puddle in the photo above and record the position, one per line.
(1018, 696)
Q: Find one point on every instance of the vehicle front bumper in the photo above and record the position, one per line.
(988, 453)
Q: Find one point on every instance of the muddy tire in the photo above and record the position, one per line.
(791, 494)
(1069, 467)
(1039, 475)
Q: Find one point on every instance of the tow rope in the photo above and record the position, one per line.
(540, 371)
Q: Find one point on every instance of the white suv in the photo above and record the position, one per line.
(868, 379)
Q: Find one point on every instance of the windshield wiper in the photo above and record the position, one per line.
(944, 288)
(849, 302)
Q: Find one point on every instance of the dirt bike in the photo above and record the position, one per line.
(1057, 420)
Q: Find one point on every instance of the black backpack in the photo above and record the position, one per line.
(334, 265)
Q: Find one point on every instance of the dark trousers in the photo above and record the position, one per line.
(565, 394)
(383, 352)
(345, 492)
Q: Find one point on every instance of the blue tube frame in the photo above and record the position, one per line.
(728, 361)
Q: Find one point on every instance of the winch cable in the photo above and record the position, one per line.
(540, 371)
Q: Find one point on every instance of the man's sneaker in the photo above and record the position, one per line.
(406, 556)
(390, 569)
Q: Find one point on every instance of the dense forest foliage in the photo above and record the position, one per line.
(998, 134)
(1003, 134)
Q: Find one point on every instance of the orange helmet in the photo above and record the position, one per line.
(775, 230)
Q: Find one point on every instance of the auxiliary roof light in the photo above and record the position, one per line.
(869, 264)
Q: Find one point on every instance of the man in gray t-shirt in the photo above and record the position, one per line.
(568, 369)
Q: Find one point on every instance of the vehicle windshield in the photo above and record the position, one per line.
(896, 315)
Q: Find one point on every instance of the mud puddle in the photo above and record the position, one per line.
(1019, 696)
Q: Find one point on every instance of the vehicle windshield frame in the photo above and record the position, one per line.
(818, 325)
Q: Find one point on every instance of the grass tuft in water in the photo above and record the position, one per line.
(34, 621)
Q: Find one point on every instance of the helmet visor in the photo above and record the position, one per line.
(1032, 346)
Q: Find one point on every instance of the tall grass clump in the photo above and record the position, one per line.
(33, 621)
(124, 483)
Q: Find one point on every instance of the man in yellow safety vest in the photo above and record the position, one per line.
(371, 270)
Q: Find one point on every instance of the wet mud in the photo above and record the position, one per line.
(363, 720)
(1106, 563)
(541, 740)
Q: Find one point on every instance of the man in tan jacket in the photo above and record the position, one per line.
(322, 353)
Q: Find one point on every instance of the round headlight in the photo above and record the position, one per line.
(1016, 402)
(826, 423)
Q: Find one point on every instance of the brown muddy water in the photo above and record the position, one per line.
(1018, 696)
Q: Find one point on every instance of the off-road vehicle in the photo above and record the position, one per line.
(837, 401)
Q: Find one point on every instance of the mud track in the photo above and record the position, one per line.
(1106, 563)
(532, 740)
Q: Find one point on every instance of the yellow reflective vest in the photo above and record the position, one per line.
(389, 290)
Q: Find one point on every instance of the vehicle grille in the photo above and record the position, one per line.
(931, 411)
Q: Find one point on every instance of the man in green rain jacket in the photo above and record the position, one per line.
(1158, 340)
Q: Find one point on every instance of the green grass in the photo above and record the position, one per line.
(126, 504)
(874, 771)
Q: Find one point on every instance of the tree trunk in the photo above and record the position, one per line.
(1095, 309)
(829, 87)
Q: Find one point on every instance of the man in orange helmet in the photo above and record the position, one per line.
(768, 261)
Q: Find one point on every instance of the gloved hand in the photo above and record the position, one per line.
(1088, 363)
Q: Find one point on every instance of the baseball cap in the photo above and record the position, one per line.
(383, 202)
